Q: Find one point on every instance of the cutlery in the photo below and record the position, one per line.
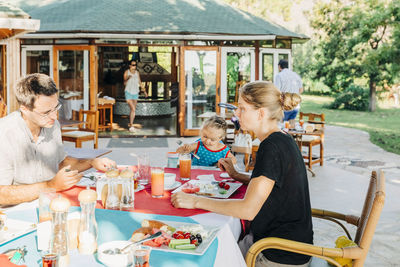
(179, 142)
(121, 251)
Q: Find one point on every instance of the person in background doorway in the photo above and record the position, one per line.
(132, 88)
(288, 81)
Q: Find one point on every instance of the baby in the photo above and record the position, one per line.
(209, 147)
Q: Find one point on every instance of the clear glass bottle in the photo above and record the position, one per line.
(127, 202)
(112, 202)
(59, 238)
(87, 226)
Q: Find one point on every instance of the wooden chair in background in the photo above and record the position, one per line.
(87, 132)
(365, 224)
(3, 109)
(310, 141)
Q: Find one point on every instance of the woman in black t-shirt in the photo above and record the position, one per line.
(277, 200)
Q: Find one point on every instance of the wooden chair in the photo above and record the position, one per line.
(366, 225)
(86, 132)
(3, 109)
(250, 158)
(313, 140)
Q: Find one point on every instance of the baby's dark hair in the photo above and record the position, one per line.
(216, 122)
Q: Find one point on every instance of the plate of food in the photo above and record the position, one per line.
(12, 229)
(178, 237)
(214, 189)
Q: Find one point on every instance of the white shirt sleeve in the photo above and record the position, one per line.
(278, 82)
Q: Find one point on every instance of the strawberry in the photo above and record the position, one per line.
(227, 186)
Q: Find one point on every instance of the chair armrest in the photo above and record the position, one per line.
(323, 214)
(334, 217)
(293, 246)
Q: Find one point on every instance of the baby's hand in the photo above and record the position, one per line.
(183, 149)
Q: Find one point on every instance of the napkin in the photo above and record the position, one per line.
(206, 177)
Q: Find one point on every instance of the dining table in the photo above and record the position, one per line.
(119, 225)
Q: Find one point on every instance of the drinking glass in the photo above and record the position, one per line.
(49, 259)
(157, 182)
(144, 169)
(141, 256)
(185, 165)
(287, 124)
(45, 197)
(301, 122)
(172, 159)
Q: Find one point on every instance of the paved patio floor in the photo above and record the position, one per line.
(340, 185)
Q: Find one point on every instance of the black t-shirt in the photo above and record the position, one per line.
(287, 211)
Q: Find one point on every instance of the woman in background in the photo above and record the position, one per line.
(132, 87)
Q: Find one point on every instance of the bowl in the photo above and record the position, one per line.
(116, 260)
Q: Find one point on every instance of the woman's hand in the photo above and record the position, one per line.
(184, 149)
(184, 201)
(226, 165)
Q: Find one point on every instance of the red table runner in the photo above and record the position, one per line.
(144, 203)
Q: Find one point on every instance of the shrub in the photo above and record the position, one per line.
(352, 98)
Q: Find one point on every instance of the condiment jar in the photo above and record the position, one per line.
(59, 238)
(87, 226)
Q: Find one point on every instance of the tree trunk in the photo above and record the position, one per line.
(372, 95)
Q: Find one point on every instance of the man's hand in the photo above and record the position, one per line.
(64, 179)
(103, 164)
(183, 200)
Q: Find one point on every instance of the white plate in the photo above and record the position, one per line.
(208, 189)
(173, 186)
(224, 175)
(15, 228)
(212, 233)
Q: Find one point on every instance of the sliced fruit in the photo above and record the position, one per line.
(151, 243)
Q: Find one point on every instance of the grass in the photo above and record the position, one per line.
(383, 125)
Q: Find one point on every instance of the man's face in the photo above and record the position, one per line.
(44, 112)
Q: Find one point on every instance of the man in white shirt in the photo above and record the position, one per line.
(32, 156)
(288, 81)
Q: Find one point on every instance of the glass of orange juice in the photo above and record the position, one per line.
(157, 182)
(301, 122)
(185, 165)
(287, 124)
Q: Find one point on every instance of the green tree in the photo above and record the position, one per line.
(357, 43)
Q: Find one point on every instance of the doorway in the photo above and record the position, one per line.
(269, 59)
(237, 68)
(199, 87)
(72, 79)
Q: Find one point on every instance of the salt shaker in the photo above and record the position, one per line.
(59, 239)
(87, 224)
